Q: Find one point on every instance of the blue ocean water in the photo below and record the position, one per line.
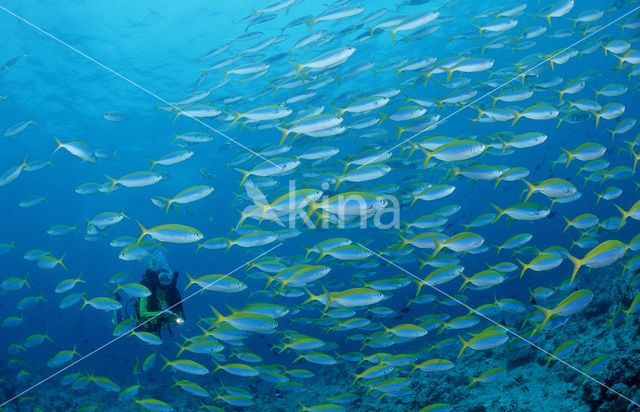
(156, 51)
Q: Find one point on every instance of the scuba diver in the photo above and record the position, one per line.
(163, 307)
(164, 294)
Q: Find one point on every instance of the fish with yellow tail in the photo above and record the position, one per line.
(605, 254)
(573, 303)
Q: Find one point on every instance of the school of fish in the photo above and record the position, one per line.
(490, 152)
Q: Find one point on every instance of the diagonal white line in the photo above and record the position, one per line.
(521, 75)
(138, 326)
(501, 326)
(46, 33)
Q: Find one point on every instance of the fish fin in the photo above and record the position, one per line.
(500, 212)
(59, 261)
(245, 174)
(531, 189)
(624, 214)
(144, 231)
(464, 346)
(577, 263)
(329, 299)
(59, 144)
(113, 183)
(298, 67)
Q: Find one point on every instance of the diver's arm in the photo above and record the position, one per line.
(178, 309)
(144, 314)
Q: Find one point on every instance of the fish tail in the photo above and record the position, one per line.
(464, 346)
(243, 217)
(439, 247)
(524, 267)
(518, 115)
(166, 363)
(311, 298)
(285, 133)
(308, 250)
(237, 114)
(624, 213)
(270, 280)
(329, 299)
(113, 183)
(59, 144)
(144, 231)
(181, 349)
(414, 199)
(504, 145)
(569, 156)
(547, 315)
(230, 243)
(400, 130)
(312, 206)
(465, 284)
(298, 67)
(427, 156)
(338, 181)
(500, 212)
(531, 187)
(449, 73)
(548, 361)
(473, 380)
(419, 288)
(597, 116)
(218, 315)
(403, 148)
(311, 23)
(577, 263)
(245, 174)
(59, 261)
(191, 281)
(599, 195)
(568, 224)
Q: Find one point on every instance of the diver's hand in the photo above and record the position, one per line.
(173, 317)
(167, 314)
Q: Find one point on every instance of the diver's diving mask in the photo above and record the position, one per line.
(164, 278)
